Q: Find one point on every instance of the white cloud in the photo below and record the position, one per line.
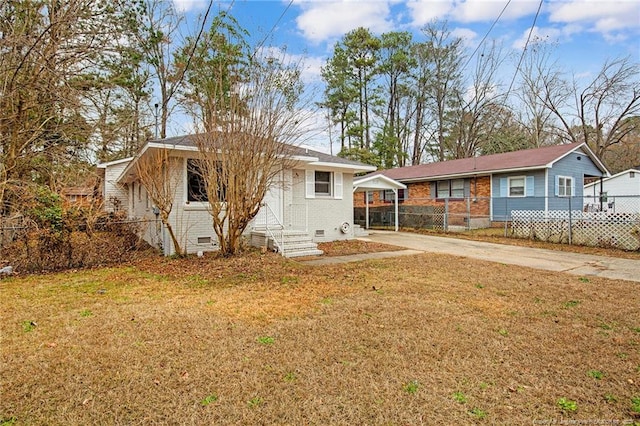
(485, 11)
(467, 11)
(468, 36)
(615, 20)
(603, 15)
(309, 65)
(423, 12)
(323, 20)
(540, 34)
(188, 5)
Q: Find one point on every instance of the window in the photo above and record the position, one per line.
(368, 197)
(197, 185)
(457, 188)
(389, 197)
(516, 186)
(632, 174)
(565, 186)
(323, 183)
(450, 188)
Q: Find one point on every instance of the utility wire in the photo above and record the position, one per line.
(259, 45)
(487, 34)
(524, 50)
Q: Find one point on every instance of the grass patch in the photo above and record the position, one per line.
(411, 387)
(567, 405)
(595, 374)
(279, 341)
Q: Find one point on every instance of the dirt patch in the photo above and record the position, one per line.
(259, 339)
(349, 247)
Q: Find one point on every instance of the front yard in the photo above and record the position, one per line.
(427, 339)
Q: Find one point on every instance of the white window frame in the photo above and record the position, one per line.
(524, 186)
(190, 205)
(329, 184)
(568, 185)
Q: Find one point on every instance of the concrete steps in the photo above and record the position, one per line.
(293, 244)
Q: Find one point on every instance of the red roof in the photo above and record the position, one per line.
(508, 161)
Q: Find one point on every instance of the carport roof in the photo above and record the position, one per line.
(376, 183)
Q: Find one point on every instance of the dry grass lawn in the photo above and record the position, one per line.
(427, 339)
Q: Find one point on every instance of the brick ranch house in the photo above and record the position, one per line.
(475, 192)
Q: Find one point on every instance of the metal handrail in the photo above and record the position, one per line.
(268, 213)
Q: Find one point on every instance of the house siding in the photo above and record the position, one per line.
(324, 215)
(576, 165)
(503, 206)
(116, 196)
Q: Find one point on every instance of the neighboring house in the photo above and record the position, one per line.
(619, 193)
(78, 195)
(311, 203)
(488, 188)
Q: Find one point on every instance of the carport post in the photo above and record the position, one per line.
(366, 209)
(395, 192)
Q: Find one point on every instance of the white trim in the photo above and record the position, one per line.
(114, 162)
(572, 188)
(357, 168)
(376, 182)
(186, 204)
(546, 190)
(337, 185)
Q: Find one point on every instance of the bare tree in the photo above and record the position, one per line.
(253, 127)
(599, 113)
(160, 180)
(538, 74)
(474, 121)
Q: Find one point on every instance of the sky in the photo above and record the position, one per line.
(586, 33)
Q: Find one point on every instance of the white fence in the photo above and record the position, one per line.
(590, 228)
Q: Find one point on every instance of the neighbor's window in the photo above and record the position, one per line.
(368, 197)
(564, 186)
(442, 188)
(450, 188)
(457, 188)
(323, 183)
(389, 196)
(516, 186)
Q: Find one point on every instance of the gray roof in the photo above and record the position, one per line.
(189, 141)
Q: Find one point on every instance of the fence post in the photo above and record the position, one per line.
(506, 213)
(570, 224)
(446, 215)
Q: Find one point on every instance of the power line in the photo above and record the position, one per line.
(487, 34)
(259, 45)
(524, 50)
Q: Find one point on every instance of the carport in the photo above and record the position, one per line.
(380, 182)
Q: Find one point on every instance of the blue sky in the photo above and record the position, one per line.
(586, 32)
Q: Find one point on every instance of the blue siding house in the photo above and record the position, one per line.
(541, 179)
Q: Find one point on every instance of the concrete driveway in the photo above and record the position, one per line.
(550, 260)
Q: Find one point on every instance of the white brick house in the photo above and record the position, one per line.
(312, 202)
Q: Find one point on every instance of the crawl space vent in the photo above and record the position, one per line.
(319, 232)
(204, 240)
